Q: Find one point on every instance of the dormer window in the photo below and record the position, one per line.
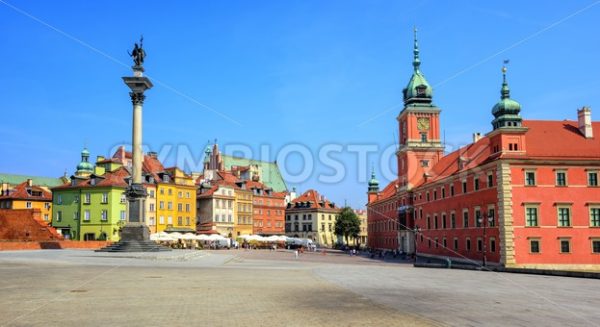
(421, 90)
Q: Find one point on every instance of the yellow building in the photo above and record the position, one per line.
(171, 202)
(176, 202)
(27, 196)
(243, 205)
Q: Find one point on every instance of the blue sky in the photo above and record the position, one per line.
(314, 73)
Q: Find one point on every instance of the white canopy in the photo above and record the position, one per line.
(176, 235)
(214, 237)
(188, 236)
(161, 236)
(271, 238)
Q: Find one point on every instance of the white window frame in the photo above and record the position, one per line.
(539, 242)
(561, 171)
(570, 211)
(535, 206)
(525, 181)
(590, 209)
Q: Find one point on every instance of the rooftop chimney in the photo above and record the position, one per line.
(584, 117)
(152, 154)
(476, 137)
(100, 158)
(29, 182)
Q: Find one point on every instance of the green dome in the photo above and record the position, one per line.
(85, 166)
(373, 182)
(418, 89)
(507, 111)
(506, 106)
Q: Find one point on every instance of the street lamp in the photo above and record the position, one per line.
(416, 231)
(485, 223)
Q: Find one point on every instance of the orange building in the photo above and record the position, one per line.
(269, 209)
(525, 195)
(28, 196)
(256, 188)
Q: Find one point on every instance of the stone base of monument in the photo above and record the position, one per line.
(135, 238)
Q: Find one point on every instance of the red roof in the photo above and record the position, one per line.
(388, 192)
(472, 155)
(115, 178)
(25, 192)
(560, 139)
(544, 139)
(228, 176)
(314, 197)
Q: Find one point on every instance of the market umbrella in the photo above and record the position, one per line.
(176, 235)
(188, 236)
(161, 236)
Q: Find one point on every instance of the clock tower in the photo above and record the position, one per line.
(420, 147)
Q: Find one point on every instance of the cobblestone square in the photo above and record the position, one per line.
(273, 288)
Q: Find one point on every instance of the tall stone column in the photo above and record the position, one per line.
(135, 235)
(136, 229)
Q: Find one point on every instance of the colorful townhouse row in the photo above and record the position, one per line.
(526, 194)
(238, 196)
(28, 192)
(93, 206)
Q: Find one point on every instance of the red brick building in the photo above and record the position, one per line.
(269, 209)
(524, 195)
(259, 182)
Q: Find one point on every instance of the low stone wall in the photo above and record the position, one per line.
(12, 246)
(547, 272)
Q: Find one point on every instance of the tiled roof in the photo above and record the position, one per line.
(110, 179)
(314, 197)
(560, 139)
(24, 192)
(544, 139)
(228, 176)
(388, 192)
(269, 171)
(472, 155)
(37, 180)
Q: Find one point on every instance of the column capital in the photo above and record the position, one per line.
(137, 98)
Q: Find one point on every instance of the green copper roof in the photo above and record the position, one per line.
(269, 171)
(373, 182)
(36, 180)
(207, 153)
(85, 165)
(506, 111)
(418, 89)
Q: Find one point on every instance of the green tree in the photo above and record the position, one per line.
(347, 224)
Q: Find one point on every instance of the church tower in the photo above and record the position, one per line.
(420, 147)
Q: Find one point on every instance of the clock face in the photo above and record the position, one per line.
(423, 124)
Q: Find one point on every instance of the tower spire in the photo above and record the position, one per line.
(505, 91)
(373, 182)
(506, 111)
(416, 60)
